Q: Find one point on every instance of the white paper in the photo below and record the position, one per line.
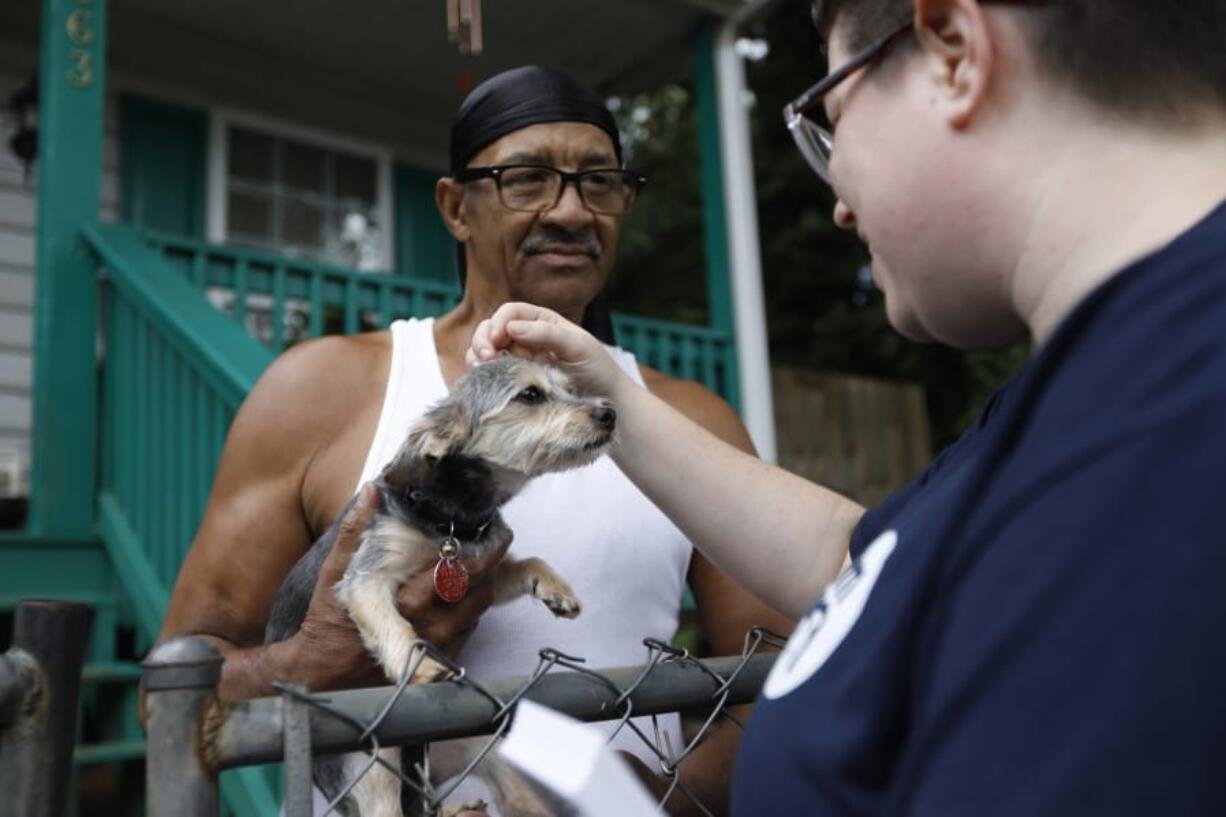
(575, 763)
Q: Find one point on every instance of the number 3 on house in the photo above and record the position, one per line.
(81, 32)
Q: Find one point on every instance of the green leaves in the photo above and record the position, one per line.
(821, 314)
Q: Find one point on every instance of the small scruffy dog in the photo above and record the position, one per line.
(503, 423)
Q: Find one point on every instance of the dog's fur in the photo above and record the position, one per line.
(503, 423)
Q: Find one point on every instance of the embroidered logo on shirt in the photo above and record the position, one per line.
(821, 631)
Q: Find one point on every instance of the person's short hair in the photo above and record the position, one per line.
(1140, 58)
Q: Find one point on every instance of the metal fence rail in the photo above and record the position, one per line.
(40, 675)
(192, 737)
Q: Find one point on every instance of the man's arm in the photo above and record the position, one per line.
(726, 610)
(255, 527)
(783, 537)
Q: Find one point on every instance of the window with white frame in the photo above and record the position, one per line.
(302, 196)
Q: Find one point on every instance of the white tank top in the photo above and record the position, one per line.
(625, 560)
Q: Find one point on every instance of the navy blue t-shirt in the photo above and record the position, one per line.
(1037, 624)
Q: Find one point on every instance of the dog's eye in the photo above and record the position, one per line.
(531, 395)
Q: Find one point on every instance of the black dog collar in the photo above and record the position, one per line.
(428, 516)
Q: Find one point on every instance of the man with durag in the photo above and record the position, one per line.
(535, 198)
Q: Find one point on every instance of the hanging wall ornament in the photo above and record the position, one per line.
(464, 26)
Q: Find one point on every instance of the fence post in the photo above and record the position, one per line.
(40, 677)
(296, 723)
(180, 681)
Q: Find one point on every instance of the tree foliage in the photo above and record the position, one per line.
(661, 269)
(822, 311)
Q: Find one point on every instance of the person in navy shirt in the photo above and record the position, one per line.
(1036, 625)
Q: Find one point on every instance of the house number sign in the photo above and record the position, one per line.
(80, 29)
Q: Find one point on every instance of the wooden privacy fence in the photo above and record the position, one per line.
(858, 436)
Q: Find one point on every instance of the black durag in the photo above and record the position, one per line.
(515, 99)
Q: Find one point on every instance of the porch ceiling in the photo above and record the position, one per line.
(379, 69)
(402, 44)
(383, 69)
(407, 38)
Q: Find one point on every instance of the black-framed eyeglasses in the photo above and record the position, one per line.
(815, 142)
(537, 188)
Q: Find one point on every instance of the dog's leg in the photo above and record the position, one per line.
(371, 602)
(510, 792)
(452, 811)
(377, 792)
(534, 577)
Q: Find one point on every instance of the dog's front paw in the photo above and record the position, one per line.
(557, 596)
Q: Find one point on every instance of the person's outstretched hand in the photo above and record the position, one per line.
(543, 335)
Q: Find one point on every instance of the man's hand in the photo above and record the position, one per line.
(327, 652)
(446, 625)
(678, 805)
(655, 783)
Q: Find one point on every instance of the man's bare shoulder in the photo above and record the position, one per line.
(700, 404)
(339, 360)
(316, 386)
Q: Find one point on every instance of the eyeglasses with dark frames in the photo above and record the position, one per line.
(537, 188)
(815, 142)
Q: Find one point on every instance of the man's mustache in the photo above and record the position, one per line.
(559, 239)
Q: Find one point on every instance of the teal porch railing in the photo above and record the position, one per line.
(681, 350)
(280, 301)
(173, 373)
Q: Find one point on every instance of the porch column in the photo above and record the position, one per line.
(70, 123)
(730, 205)
(714, 213)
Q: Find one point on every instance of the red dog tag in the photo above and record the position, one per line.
(450, 580)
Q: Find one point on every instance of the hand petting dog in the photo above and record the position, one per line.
(540, 334)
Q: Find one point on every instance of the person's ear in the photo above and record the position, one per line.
(440, 432)
(958, 52)
(449, 196)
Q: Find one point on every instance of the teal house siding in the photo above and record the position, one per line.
(163, 155)
(424, 248)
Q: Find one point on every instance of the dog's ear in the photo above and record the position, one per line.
(442, 431)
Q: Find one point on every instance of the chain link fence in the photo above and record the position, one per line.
(192, 736)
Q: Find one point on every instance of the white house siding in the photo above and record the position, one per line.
(18, 215)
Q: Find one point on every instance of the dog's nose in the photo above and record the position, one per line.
(605, 417)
